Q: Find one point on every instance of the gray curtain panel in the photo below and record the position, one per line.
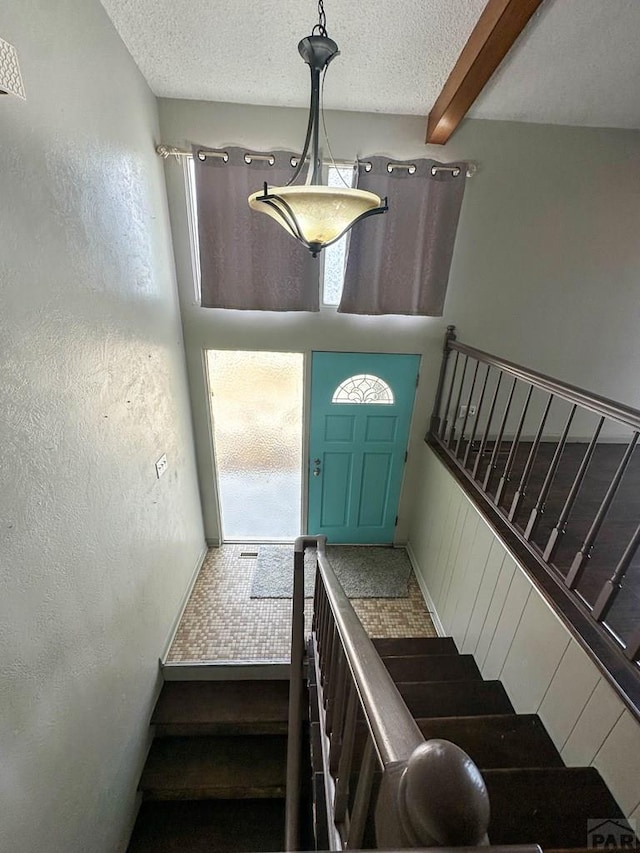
(248, 261)
(399, 262)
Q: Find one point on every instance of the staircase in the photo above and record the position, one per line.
(214, 779)
(534, 797)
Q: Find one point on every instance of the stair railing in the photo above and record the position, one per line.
(555, 469)
(377, 765)
(296, 700)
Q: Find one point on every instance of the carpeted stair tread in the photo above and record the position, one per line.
(188, 826)
(415, 646)
(221, 707)
(194, 768)
(499, 740)
(432, 668)
(546, 806)
(455, 698)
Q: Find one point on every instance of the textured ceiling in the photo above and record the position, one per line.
(576, 63)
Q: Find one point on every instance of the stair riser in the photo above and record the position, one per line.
(243, 792)
(205, 826)
(451, 699)
(433, 668)
(416, 646)
(491, 742)
(233, 703)
(509, 740)
(225, 729)
(242, 767)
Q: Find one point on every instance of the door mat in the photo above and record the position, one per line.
(364, 572)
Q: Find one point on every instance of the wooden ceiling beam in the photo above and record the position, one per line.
(498, 27)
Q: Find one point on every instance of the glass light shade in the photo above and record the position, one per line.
(322, 213)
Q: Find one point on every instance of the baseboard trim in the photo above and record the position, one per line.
(227, 671)
(431, 607)
(183, 604)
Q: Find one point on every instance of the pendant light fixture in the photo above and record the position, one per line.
(316, 215)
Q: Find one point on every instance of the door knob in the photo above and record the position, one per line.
(316, 472)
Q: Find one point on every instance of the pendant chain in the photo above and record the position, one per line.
(321, 27)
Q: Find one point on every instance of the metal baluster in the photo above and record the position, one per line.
(632, 651)
(316, 602)
(362, 800)
(327, 617)
(337, 724)
(526, 473)
(445, 419)
(450, 335)
(561, 524)
(466, 412)
(541, 502)
(341, 799)
(613, 586)
(483, 443)
(498, 443)
(319, 593)
(580, 560)
(472, 437)
(332, 645)
(324, 646)
(321, 632)
(335, 677)
(506, 474)
(452, 431)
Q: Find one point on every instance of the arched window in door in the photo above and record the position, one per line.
(363, 388)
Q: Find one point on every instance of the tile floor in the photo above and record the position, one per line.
(221, 623)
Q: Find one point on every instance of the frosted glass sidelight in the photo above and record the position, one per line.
(256, 403)
(363, 388)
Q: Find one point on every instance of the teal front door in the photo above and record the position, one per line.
(361, 405)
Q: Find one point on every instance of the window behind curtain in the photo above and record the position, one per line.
(333, 258)
(335, 255)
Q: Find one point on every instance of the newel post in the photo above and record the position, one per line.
(435, 799)
(450, 335)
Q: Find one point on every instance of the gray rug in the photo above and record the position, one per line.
(364, 572)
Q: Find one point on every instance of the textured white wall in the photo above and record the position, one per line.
(545, 269)
(95, 552)
(484, 599)
(547, 262)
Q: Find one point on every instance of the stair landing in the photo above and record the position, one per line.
(222, 624)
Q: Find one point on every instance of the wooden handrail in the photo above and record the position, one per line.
(349, 674)
(594, 402)
(395, 733)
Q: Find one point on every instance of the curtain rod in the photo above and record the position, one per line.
(166, 151)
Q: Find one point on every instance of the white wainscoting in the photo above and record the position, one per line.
(484, 599)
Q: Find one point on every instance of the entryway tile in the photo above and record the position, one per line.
(222, 623)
